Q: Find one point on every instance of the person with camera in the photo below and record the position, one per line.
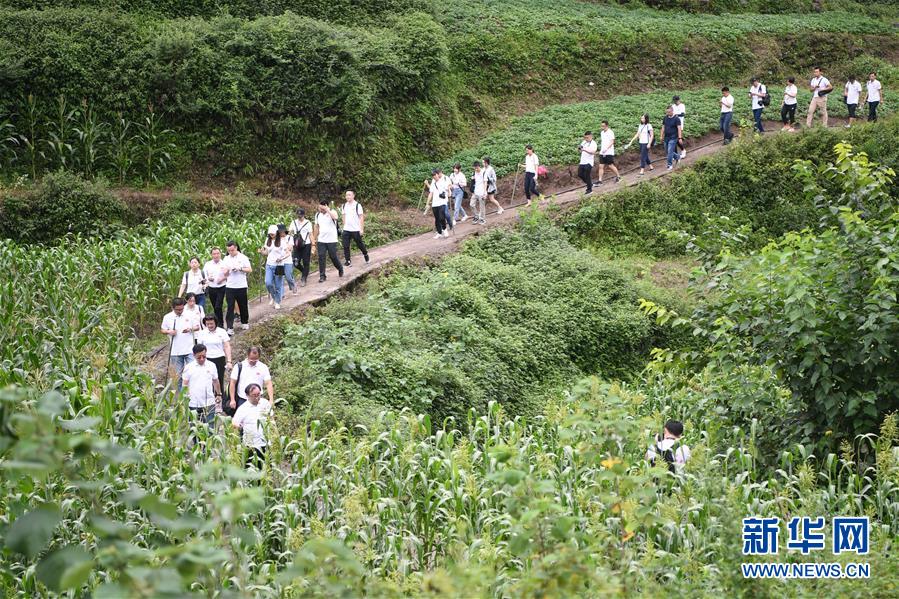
(237, 266)
(192, 309)
(819, 86)
(324, 239)
(216, 275)
(218, 348)
(438, 194)
(276, 253)
(301, 233)
(353, 227)
(194, 281)
(588, 157)
(250, 370)
(757, 94)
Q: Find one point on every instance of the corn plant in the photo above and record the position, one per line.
(153, 146)
(60, 135)
(28, 134)
(90, 135)
(120, 146)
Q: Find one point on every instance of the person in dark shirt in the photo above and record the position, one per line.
(674, 133)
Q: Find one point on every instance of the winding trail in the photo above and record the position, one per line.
(424, 245)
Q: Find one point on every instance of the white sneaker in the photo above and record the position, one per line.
(245, 326)
(500, 210)
(230, 332)
(277, 306)
(445, 234)
(438, 236)
(464, 218)
(670, 167)
(454, 223)
(683, 154)
(270, 301)
(847, 126)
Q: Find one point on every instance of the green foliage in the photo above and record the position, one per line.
(817, 307)
(61, 204)
(507, 320)
(751, 185)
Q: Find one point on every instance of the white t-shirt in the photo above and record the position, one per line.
(531, 162)
(252, 419)
(821, 82)
(680, 110)
(681, 454)
(853, 91)
(351, 216)
(327, 227)
(302, 230)
(790, 93)
(490, 178)
(757, 101)
(480, 183)
(644, 133)
(198, 380)
(182, 343)
(214, 271)
(607, 143)
(438, 187)
(275, 254)
(196, 315)
(191, 281)
(873, 90)
(588, 152)
(238, 279)
(727, 103)
(214, 341)
(257, 373)
(458, 180)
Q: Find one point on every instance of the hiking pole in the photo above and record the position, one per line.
(168, 361)
(420, 198)
(515, 185)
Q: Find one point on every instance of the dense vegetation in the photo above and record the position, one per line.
(248, 94)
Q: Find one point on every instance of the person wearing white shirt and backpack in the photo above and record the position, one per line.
(194, 281)
(669, 448)
(852, 91)
(301, 232)
(819, 86)
(438, 198)
(353, 227)
(757, 94)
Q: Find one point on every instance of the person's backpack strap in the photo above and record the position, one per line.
(669, 455)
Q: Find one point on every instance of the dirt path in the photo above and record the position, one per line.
(425, 245)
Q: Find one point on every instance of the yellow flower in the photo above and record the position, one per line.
(609, 462)
(627, 536)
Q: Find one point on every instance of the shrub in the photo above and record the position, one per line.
(62, 203)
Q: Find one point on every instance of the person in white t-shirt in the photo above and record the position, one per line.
(251, 370)
(873, 95)
(607, 152)
(531, 163)
(727, 114)
(819, 86)
(479, 196)
(852, 91)
(587, 149)
(301, 233)
(490, 178)
(194, 281)
(193, 310)
(238, 267)
(324, 239)
(216, 275)
(353, 227)
(757, 93)
(788, 106)
(679, 109)
(438, 198)
(668, 447)
(203, 388)
(276, 252)
(644, 136)
(180, 328)
(218, 348)
(458, 183)
(250, 420)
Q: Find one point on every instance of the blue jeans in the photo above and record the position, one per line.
(644, 155)
(459, 212)
(178, 363)
(757, 115)
(724, 124)
(288, 274)
(671, 149)
(206, 415)
(273, 283)
(449, 217)
(201, 300)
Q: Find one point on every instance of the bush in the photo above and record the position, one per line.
(507, 320)
(62, 203)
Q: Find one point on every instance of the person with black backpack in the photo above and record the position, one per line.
(758, 94)
(353, 227)
(668, 446)
(301, 233)
(194, 281)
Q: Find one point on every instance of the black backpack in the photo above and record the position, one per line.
(667, 454)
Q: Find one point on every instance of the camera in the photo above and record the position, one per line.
(443, 195)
